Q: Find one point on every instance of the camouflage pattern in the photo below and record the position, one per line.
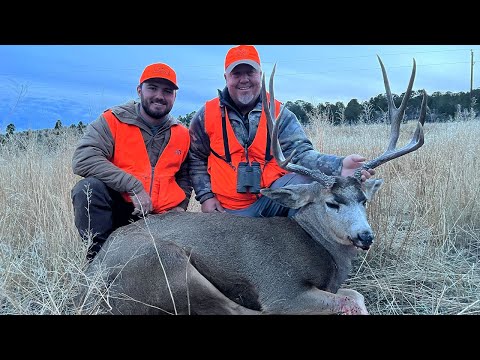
(291, 136)
(95, 149)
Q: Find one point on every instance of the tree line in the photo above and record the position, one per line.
(442, 107)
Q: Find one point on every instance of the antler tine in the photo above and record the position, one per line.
(396, 116)
(272, 95)
(278, 153)
(273, 127)
(266, 106)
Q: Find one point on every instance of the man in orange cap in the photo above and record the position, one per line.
(132, 160)
(230, 141)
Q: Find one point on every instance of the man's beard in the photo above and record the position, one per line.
(154, 114)
(246, 99)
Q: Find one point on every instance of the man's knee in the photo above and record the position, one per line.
(84, 189)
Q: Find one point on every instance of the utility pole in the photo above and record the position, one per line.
(471, 76)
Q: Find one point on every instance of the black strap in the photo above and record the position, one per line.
(228, 158)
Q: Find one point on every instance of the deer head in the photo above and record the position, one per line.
(334, 207)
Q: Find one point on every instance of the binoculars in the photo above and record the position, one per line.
(248, 177)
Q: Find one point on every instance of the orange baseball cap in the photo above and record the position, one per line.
(242, 54)
(159, 70)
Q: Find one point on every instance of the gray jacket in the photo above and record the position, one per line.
(95, 150)
(291, 136)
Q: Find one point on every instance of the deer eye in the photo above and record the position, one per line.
(333, 206)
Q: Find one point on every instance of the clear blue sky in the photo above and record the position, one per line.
(40, 84)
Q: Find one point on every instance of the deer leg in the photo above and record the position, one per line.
(206, 299)
(320, 302)
(163, 281)
(357, 297)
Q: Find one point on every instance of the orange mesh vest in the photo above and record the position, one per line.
(131, 156)
(223, 176)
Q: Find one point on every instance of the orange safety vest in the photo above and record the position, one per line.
(130, 155)
(223, 175)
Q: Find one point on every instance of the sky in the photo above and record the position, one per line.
(40, 84)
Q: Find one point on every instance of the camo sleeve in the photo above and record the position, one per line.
(292, 136)
(198, 157)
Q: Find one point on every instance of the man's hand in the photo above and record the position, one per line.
(353, 162)
(142, 202)
(177, 209)
(212, 205)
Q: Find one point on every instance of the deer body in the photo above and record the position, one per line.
(230, 264)
(195, 263)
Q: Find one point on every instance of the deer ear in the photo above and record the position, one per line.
(293, 196)
(371, 186)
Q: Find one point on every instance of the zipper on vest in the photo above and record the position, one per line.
(151, 182)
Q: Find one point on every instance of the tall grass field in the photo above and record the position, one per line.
(426, 217)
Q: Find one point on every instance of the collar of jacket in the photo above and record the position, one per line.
(129, 113)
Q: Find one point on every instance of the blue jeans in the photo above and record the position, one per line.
(266, 207)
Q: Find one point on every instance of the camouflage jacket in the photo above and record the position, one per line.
(291, 136)
(95, 149)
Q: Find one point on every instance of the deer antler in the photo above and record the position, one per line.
(396, 115)
(273, 126)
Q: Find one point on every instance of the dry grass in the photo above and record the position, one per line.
(426, 218)
(41, 256)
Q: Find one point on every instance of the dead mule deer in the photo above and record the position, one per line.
(196, 263)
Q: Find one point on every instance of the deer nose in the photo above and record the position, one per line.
(365, 239)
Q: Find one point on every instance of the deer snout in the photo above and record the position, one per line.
(364, 239)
